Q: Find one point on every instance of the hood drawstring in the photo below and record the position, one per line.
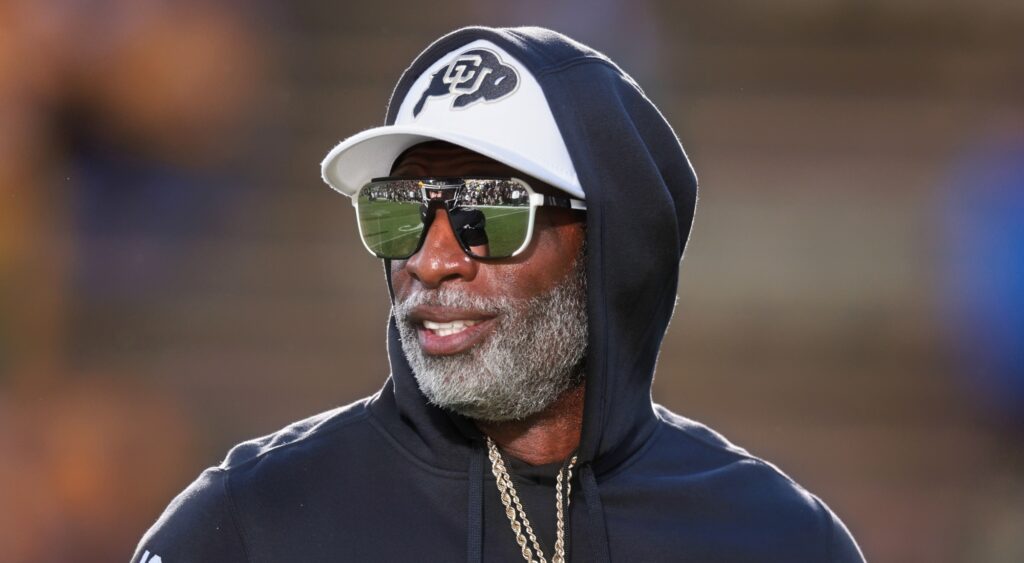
(596, 538)
(475, 516)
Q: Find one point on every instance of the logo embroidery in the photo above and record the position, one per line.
(472, 76)
(147, 559)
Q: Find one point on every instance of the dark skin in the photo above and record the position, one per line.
(554, 433)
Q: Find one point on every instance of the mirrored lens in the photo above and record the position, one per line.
(493, 220)
(390, 219)
(497, 233)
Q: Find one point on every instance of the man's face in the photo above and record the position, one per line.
(497, 339)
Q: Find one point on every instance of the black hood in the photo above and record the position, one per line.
(640, 191)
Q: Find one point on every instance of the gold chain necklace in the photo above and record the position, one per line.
(517, 515)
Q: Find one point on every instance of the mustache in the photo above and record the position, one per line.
(454, 298)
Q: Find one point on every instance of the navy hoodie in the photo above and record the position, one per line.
(392, 478)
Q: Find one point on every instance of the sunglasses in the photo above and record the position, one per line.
(491, 217)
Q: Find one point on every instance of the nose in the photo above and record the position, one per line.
(440, 258)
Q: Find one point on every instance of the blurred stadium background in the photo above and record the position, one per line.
(175, 278)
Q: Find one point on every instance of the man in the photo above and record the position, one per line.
(532, 207)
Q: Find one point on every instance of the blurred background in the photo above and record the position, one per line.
(175, 278)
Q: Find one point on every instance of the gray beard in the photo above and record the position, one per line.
(533, 356)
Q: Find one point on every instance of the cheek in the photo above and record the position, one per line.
(399, 278)
(555, 248)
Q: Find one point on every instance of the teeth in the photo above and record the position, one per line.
(448, 328)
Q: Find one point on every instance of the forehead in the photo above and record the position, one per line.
(438, 158)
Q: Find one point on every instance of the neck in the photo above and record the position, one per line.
(547, 437)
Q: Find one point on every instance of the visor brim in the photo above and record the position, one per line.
(372, 153)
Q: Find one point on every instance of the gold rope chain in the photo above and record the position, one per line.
(517, 515)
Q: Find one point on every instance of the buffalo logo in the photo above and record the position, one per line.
(471, 76)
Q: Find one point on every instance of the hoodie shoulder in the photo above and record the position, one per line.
(198, 525)
(700, 434)
(201, 523)
(772, 512)
(842, 548)
(303, 431)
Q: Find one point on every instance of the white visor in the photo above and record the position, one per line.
(477, 97)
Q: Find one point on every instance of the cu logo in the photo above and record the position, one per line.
(462, 78)
(472, 76)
